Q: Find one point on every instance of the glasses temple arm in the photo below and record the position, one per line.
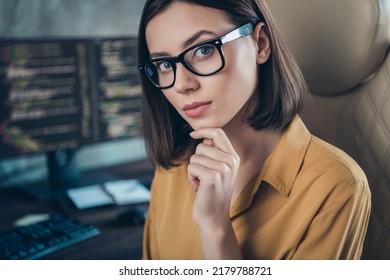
(238, 33)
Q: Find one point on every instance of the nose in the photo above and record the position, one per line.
(185, 80)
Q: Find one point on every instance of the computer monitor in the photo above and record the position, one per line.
(59, 94)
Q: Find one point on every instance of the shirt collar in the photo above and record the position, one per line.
(282, 166)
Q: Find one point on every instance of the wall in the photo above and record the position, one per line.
(21, 18)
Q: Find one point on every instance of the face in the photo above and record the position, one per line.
(211, 101)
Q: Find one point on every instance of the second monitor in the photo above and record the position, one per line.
(58, 94)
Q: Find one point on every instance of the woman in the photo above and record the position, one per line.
(237, 173)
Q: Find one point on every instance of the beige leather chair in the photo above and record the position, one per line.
(342, 47)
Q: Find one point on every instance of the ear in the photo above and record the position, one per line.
(263, 42)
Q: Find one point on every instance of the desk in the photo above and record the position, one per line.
(115, 242)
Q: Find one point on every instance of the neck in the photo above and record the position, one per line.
(252, 146)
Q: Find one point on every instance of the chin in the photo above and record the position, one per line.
(196, 125)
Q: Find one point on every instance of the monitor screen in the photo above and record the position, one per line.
(118, 89)
(63, 93)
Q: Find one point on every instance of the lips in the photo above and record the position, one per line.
(196, 109)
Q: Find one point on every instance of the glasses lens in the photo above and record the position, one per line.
(160, 73)
(205, 59)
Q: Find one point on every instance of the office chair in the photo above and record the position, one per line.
(342, 47)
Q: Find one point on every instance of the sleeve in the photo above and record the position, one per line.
(338, 230)
(149, 251)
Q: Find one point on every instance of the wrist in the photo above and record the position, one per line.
(213, 228)
(219, 241)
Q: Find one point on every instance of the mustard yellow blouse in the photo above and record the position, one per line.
(310, 201)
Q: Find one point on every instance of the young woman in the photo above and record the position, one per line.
(237, 173)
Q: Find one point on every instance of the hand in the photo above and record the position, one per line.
(212, 172)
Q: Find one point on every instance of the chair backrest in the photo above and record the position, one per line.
(342, 47)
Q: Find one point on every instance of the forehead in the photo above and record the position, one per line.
(169, 29)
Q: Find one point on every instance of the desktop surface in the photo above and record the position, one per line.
(116, 241)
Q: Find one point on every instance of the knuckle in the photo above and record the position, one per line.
(213, 177)
(193, 158)
(219, 132)
(232, 160)
(199, 148)
(217, 177)
(189, 169)
(225, 169)
(215, 133)
(237, 160)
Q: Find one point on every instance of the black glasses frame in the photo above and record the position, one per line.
(237, 33)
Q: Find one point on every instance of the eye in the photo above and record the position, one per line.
(204, 52)
(163, 66)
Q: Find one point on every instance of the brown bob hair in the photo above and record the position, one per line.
(282, 89)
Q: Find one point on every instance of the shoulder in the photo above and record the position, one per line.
(175, 173)
(168, 178)
(333, 168)
(170, 187)
(333, 156)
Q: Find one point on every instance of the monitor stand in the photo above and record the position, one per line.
(62, 169)
(63, 174)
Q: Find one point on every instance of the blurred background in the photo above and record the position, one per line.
(70, 18)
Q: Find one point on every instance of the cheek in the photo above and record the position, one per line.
(246, 66)
(241, 74)
(173, 99)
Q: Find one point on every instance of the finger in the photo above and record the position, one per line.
(211, 164)
(193, 173)
(209, 142)
(193, 178)
(199, 175)
(195, 183)
(217, 135)
(216, 155)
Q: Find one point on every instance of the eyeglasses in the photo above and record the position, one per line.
(203, 59)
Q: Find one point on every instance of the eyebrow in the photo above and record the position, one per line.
(186, 43)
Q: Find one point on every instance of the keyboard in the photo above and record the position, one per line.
(40, 239)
